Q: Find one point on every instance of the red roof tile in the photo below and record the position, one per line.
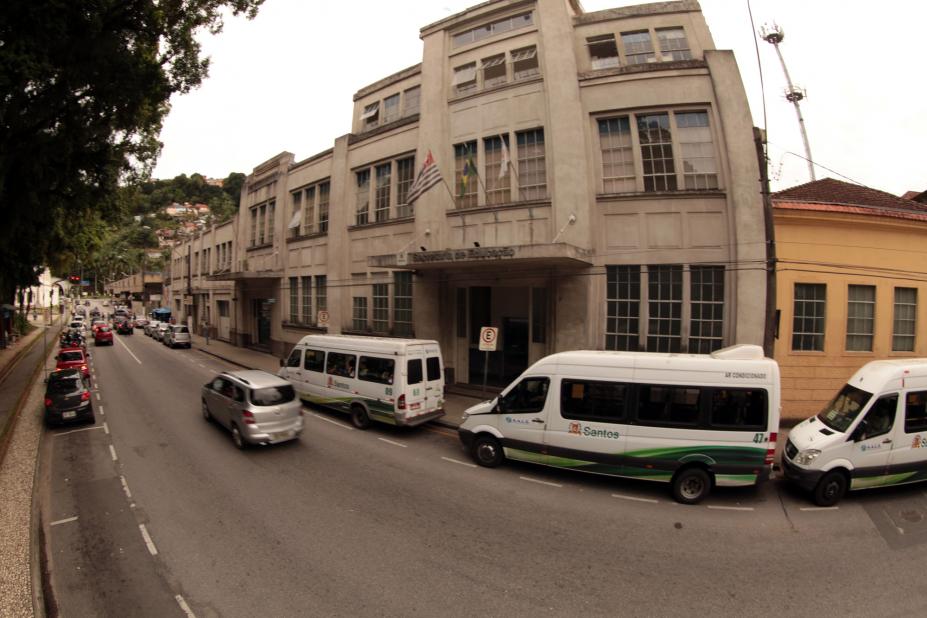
(837, 192)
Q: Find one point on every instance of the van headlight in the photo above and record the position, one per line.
(807, 456)
(464, 417)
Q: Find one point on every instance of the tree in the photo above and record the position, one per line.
(84, 88)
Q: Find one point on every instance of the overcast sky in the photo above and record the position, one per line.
(285, 81)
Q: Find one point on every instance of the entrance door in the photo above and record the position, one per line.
(262, 315)
(514, 347)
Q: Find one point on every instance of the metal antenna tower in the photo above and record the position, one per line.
(774, 34)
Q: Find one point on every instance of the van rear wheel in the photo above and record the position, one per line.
(830, 489)
(359, 417)
(691, 486)
(487, 451)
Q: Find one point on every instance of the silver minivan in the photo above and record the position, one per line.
(177, 335)
(256, 406)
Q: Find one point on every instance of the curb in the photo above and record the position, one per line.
(7, 430)
(219, 356)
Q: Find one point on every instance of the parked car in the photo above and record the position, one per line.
(125, 327)
(177, 336)
(103, 335)
(77, 325)
(255, 406)
(67, 398)
(106, 303)
(151, 326)
(73, 358)
(141, 323)
(159, 332)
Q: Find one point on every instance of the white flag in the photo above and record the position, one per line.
(505, 161)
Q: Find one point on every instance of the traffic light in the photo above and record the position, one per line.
(74, 278)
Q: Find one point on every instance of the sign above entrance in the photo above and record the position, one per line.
(463, 255)
(323, 318)
(489, 335)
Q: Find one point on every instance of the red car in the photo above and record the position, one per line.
(73, 358)
(103, 335)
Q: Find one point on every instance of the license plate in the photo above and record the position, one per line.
(70, 414)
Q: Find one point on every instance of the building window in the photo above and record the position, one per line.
(309, 213)
(297, 223)
(618, 174)
(391, 108)
(324, 191)
(623, 299)
(903, 325)
(706, 293)
(383, 172)
(656, 152)
(699, 170)
(254, 226)
(307, 300)
(464, 78)
(262, 214)
(465, 174)
(638, 48)
(196, 262)
(603, 51)
(402, 304)
(371, 115)
(381, 307)
(411, 101)
(525, 63)
(405, 172)
(363, 197)
(673, 44)
(664, 291)
(860, 317)
(494, 71)
(271, 209)
(496, 172)
(360, 313)
(321, 293)
(808, 318)
(538, 315)
(532, 170)
(294, 299)
(479, 33)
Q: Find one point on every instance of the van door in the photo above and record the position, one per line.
(434, 379)
(414, 391)
(292, 369)
(523, 411)
(908, 459)
(870, 443)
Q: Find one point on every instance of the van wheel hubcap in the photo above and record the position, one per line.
(692, 487)
(487, 451)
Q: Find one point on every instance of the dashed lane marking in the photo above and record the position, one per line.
(730, 508)
(811, 509)
(459, 463)
(183, 605)
(98, 396)
(328, 420)
(106, 428)
(112, 452)
(67, 520)
(77, 430)
(539, 482)
(151, 546)
(125, 488)
(636, 499)
(102, 413)
(393, 443)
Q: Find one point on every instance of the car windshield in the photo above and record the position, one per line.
(272, 395)
(843, 409)
(63, 386)
(69, 357)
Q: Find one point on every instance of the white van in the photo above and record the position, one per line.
(395, 381)
(693, 420)
(872, 433)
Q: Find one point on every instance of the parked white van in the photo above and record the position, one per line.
(395, 381)
(693, 420)
(872, 433)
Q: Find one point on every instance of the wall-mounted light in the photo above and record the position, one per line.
(423, 248)
(476, 244)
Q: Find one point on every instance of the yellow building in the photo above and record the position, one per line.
(851, 284)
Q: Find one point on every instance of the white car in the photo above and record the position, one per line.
(177, 335)
(151, 327)
(160, 331)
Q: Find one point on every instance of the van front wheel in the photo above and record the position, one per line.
(359, 417)
(487, 451)
(691, 486)
(830, 489)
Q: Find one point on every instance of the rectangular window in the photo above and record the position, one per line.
(339, 364)
(706, 293)
(371, 115)
(324, 191)
(433, 368)
(405, 173)
(808, 318)
(915, 412)
(262, 217)
(586, 400)
(381, 204)
(411, 101)
(465, 174)
(309, 211)
(506, 24)
(223, 306)
(379, 370)
(699, 170)
(623, 300)
(538, 315)
(254, 226)
(664, 290)
(532, 165)
(381, 307)
(414, 371)
(603, 51)
(294, 299)
(362, 210)
(402, 304)
(464, 78)
(494, 70)
(673, 44)
(656, 152)
(638, 48)
(668, 405)
(903, 324)
(314, 360)
(618, 175)
(307, 301)
(737, 409)
(496, 170)
(360, 313)
(271, 208)
(525, 63)
(296, 225)
(391, 108)
(321, 293)
(860, 317)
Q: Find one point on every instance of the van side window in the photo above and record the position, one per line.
(585, 400)
(378, 370)
(879, 419)
(433, 365)
(314, 361)
(527, 397)
(668, 405)
(341, 364)
(915, 412)
(295, 358)
(738, 409)
(414, 369)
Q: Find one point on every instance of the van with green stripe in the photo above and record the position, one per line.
(393, 381)
(694, 421)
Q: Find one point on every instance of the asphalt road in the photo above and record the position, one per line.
(395, 522)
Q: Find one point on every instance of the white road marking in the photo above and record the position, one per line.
(730, 508)
(125, 487)
(76, 430)
(106, 428)
(112, 451)
(202, 365)
(98, 396)
(458, 462)
(128, 350)
(539, 482)
(636, 499)
(63, 521)
(186, 608)
(151, 546)
(393, 443)
(102, 413)
(819, 508)
(328, 420)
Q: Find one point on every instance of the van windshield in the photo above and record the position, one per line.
(843, 409)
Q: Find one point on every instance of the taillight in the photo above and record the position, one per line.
(84, 367)
(48, 403)
(401, 402)
(771, 452)
(85, 396)
(247, 417)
